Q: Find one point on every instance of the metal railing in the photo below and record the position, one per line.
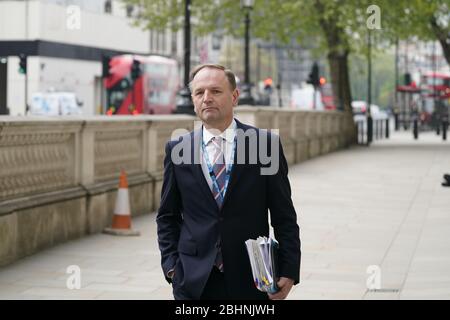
(379, 130)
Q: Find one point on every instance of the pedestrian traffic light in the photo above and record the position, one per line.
(23, 64)
(314, 78)
(106, 66)
(136, 69)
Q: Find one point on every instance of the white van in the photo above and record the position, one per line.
(303, 98)
(55, 104)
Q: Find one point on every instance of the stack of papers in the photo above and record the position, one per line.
(263, 260)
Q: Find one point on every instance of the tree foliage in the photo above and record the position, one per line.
(426, 20)
(335, 27)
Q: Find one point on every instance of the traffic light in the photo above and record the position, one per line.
(314, 78)
(136, 69)
(23, 64)
(106, 66)
(322, 81)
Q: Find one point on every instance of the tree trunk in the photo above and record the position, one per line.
(446, 49)
(340, 80)
(443, 36)
(338, 51)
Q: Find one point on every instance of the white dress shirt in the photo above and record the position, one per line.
(228, 135)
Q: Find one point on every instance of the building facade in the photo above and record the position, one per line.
(64, 41)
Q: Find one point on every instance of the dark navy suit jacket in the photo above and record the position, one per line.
(189, 221)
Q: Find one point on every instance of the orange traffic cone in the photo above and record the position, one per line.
(121, 225)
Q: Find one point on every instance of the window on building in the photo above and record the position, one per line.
(173, 50)
(151, 40)
(194, 47)
(155, 41)
(164, 35)
(160, 42)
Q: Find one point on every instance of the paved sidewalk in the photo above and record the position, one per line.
(382, 206)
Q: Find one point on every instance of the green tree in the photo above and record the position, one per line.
(333, 23)
(383, 78)
(420, 19)
(336, 27)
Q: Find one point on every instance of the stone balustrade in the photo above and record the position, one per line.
(59, 176)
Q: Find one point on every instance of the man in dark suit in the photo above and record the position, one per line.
(217, 191)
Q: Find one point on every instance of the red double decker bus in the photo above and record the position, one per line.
(436, 85)
(141, 85)
(435, 89)
(426, 105)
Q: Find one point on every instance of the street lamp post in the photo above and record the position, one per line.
(246, 94)
(184, 104)
(369, 90)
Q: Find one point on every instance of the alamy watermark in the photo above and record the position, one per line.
(373, 282)
(73, 17)
(74, 280)
(374, 20)
(252, 147)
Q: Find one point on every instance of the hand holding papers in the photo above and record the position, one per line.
(263, 260)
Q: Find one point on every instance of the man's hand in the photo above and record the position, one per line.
(285, 285)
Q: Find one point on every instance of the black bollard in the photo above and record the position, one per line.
(387, 128)
(416, 129)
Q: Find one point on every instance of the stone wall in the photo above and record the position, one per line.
(304, 134)
(59, 176)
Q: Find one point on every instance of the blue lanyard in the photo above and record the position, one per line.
(211, 171)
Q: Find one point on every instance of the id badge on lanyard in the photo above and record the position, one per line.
(229, 167)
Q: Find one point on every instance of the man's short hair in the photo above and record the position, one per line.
(228, 73)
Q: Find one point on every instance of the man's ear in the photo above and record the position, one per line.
(235, 97)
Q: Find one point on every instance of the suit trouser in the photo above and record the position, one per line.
(215, 288)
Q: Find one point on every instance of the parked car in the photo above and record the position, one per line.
(360, 109)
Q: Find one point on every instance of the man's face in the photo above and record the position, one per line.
(213, 98)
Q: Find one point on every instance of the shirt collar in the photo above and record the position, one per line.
(228, 134)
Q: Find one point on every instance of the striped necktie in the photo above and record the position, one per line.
(219, 169)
